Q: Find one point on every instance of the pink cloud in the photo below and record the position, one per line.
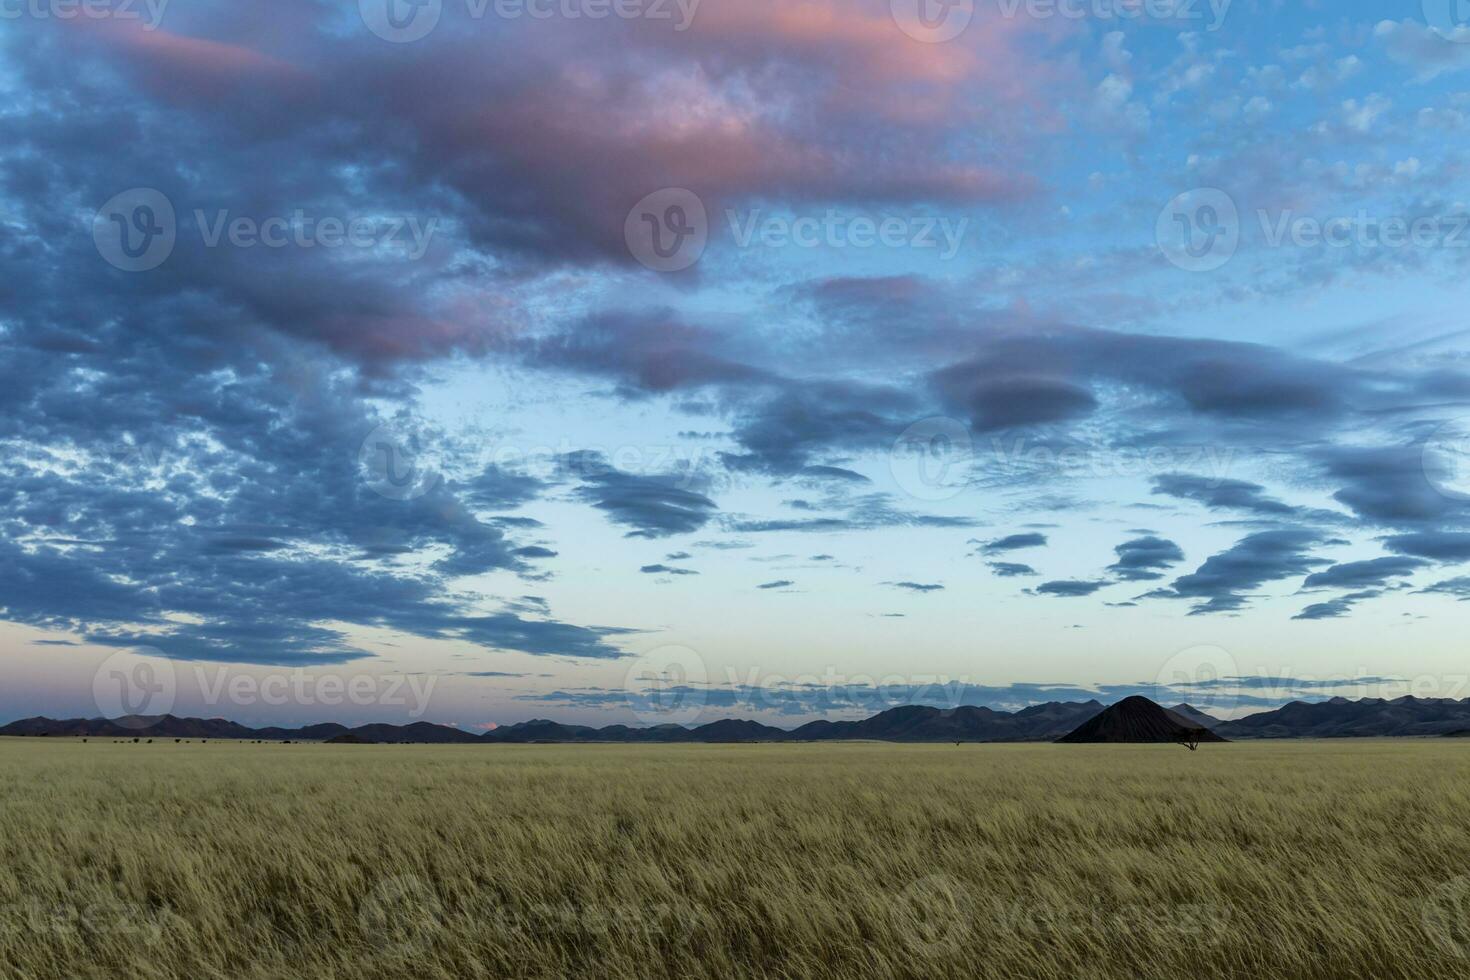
(181, 68)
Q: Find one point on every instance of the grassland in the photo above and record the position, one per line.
(1343, 859)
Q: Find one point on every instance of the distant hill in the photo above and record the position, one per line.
(1137, 720)
(419, 731)
(541, 730)
(171, 726)
(730, 730)
(916, 723)
(1341, 718)
(160, 726)
(1197, 717)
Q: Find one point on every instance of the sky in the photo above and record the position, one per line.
(636, 361)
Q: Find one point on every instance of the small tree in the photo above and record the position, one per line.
(1191, 737)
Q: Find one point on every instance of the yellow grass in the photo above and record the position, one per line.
(1341, 859)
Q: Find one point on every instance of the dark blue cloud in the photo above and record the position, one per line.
(1224, 582)
(1457, 587)
(1444, 546)
(1359, 574)
(1037, 374)
(1388, 486)
(1222, 494)
(1336, 608)
(496, 488)
(1014, 542)
(1145, 559)
(920, 587)
(655, 506)
(647, 353)
(1069, 589)
(996, 402)
(861, 513)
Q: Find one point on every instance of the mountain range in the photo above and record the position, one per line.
(1337, 718)
(908, 723)
(1342, 718)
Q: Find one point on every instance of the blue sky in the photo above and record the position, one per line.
(800, 348)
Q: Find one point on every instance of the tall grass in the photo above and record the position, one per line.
(1342, 859)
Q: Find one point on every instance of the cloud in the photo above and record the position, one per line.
(781, 430)
(1007, 569)
(1224, 581)
(996, 402)
(916, 586)
(1014, 542)
(1387, 485)
(1422, 48)
(1457, 587)
(542, 638)
(1357, 574)
(1035, 374)
(778, 584)
(863, 513)
(666, 570)
(654, 506)
(730, 137)
(1445, 546)
(496, 488)
(1145, 559)
(1221, 494)
(1335, 608)
(653, 351)
(1069, 589)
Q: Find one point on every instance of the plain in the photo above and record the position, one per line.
(229, 860)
